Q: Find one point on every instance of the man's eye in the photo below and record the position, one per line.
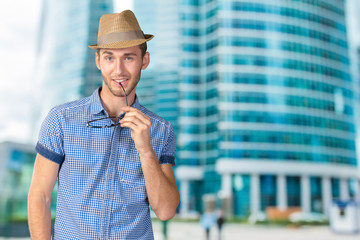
(128, 58)
(109, 58)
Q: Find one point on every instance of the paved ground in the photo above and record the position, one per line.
(193, 231)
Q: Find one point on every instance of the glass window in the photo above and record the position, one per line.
(268, 190)
(283, 28)
(241, 193)
(316, 194)
(293, 188)
(335, 187)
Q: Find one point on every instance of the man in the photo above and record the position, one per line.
(111, 160)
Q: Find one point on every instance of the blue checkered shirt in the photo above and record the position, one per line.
(101, 187)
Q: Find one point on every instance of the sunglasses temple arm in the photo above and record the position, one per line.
(124, 94)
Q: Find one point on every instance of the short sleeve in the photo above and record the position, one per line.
(168, 151)
(50, 143)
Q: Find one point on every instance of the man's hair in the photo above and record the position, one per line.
(143, 48)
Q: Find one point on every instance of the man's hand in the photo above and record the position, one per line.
(160, 183)
(139, 125)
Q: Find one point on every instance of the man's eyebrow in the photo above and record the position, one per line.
(125, 54)
(128, 54)
(107, 52)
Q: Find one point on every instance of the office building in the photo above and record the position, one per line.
(266, 105)
(158, 88)
(16, 164)
(66, 67)
(65, 71)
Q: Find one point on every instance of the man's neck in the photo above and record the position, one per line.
(114, 104)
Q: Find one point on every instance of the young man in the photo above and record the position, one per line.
(112, 156)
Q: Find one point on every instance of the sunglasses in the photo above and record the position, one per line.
(96, 122)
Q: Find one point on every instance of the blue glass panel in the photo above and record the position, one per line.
(283, 28)
(335, 187)
(293, 188)
(316, 194)
(268, 191)
(241, 191)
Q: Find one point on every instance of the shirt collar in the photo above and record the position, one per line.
(95, 103)
(97, 107)
(136, 103)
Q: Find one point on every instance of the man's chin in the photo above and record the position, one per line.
(116, 94)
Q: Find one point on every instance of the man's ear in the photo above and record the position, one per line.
(97, 60)
(146, 61)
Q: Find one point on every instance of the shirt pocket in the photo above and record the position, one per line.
(129, 167)
(134, 196)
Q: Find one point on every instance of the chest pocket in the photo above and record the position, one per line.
(129, 167)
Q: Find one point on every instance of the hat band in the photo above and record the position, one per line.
(120, 37)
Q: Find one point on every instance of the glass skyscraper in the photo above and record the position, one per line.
(16, 164)
(285, 96)
(65, 71)
(266, 104)
(66, 67)
(158, 88)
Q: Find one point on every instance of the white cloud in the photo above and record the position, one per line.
(19, 26)
(15, 131)
(121, 5)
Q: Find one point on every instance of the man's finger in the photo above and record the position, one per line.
(135, 113)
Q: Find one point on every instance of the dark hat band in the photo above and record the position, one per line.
(120, 37)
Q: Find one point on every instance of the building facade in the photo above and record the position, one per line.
(65, 71)
(66, 68)
(158, 88)
(286, 105)
(266, 105)
(16, 165)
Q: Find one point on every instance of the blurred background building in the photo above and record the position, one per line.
(265, 103)
(16, 166)
(262, 94)
(159, 85)
(65, 69)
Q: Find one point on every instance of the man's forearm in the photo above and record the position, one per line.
(39, 215)
(160, 183)
(161, 189)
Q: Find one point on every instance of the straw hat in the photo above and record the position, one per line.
(120, 30)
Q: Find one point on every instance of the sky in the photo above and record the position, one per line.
(18, 35)
(353, 21)
(19, 21)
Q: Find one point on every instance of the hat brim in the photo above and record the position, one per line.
(123, 44)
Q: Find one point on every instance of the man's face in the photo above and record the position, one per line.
(121, 65)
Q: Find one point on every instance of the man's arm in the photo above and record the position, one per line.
(42, 184)
(160, 186)
(159, 179)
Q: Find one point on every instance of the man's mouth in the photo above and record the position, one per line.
(120, 81)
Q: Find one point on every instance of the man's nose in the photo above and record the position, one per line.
(119, 67)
